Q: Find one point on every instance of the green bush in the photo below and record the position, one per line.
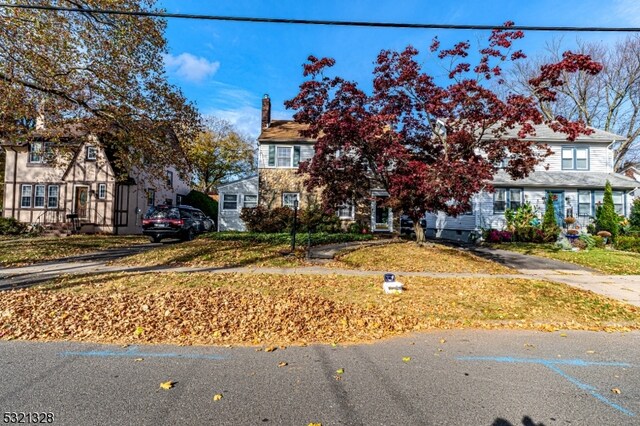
(606, 217)
(634, 215)
(550, 227)
(317, 220)
(598, 241)
(628, 243)
(10, 226)
(202, 201)
(589, 240)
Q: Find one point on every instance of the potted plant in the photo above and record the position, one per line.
(605, 235)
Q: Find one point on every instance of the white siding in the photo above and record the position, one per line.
(599, 158)
(229, 220)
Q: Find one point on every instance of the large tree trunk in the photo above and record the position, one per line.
(419, 230)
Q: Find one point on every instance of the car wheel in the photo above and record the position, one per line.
(190, 235)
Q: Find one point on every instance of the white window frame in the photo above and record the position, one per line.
(250, 204)
(287, 195)
(598, 197)
(570, 153)
(342, 209)
(41, 197)
(511, 201)
(52, 199)
(504, 191)
(39, 155)
(92, 153)
(278, 157)
(26, 197)
(233, 202)
(169, 179)
(151, 197)
(102, 191)
(589, 211)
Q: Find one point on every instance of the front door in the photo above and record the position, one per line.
(82, 194)
(558, 205)
(382, 216)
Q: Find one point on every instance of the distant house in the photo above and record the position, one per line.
(574, 175)
(81, 187)
(233, 197)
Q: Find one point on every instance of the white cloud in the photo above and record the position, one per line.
(189, 67)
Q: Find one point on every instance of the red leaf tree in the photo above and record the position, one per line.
(430, 145)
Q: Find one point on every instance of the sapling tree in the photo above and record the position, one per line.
(430, 143)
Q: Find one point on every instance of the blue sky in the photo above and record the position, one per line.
(226, 67)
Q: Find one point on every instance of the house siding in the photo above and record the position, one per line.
(229, 220)
(306, 152)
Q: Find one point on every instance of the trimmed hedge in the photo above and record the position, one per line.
(628, 243)
(202, 201)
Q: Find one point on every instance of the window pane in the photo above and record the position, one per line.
(618, 201)
(288, 199)
(38, 200)
(567, 158)
(102, 191)
(515, 198)
(52, 200)
(584, 203)
(283, 156)
(598, 197)
(345, 210)
(250, 201)
(499, 200)
(25, 200)
(230, 202)
(35, 152)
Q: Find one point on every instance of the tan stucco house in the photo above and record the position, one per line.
(73, 184)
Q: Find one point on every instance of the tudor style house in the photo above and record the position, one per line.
(80, 189)
(575, 176)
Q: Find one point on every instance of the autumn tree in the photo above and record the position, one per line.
(609, 100)
(95, 72)
(218, 153)
(430, 143)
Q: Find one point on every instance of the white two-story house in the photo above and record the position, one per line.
(575, 176)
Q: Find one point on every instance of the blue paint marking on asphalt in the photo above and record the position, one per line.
(133, 351)
(552, 364)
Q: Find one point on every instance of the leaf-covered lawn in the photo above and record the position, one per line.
(217, 253)
(202, 308)
(18, 251)
(608, 261)
(410, 257)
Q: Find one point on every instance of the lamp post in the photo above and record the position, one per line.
(295, 222)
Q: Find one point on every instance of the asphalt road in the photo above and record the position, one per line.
(453, 378)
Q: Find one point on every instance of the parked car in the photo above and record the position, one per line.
(167, 221)
(206, 223)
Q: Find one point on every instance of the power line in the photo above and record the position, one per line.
(319, 22)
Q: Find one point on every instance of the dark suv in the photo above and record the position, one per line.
(166, 221)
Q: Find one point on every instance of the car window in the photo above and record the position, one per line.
(162, 213)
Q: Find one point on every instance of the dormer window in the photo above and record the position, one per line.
(39, 152)
(574, 158)
(92, 153)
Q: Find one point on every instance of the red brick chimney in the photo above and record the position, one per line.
(266, 111)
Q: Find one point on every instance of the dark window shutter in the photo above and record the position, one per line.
(296, 156)
(272, 155)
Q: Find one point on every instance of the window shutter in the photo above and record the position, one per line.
(296, 156)
(272, 155)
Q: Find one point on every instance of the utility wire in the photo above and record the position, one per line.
(319, 22)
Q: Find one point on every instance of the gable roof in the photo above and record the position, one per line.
(544, 133)
(284, 131)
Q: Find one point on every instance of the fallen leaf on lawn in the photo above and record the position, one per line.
(270, 349)
(333, 345)
(124, 346)
(217, 397)
(615, 390)
(283, 364)
(591, 352)
(167, 385)
(139, 359)
(443, 340)
(138, 332)
(258, 349)
(340, 371)
(406, 358)
(529, 345)
(563, 334)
